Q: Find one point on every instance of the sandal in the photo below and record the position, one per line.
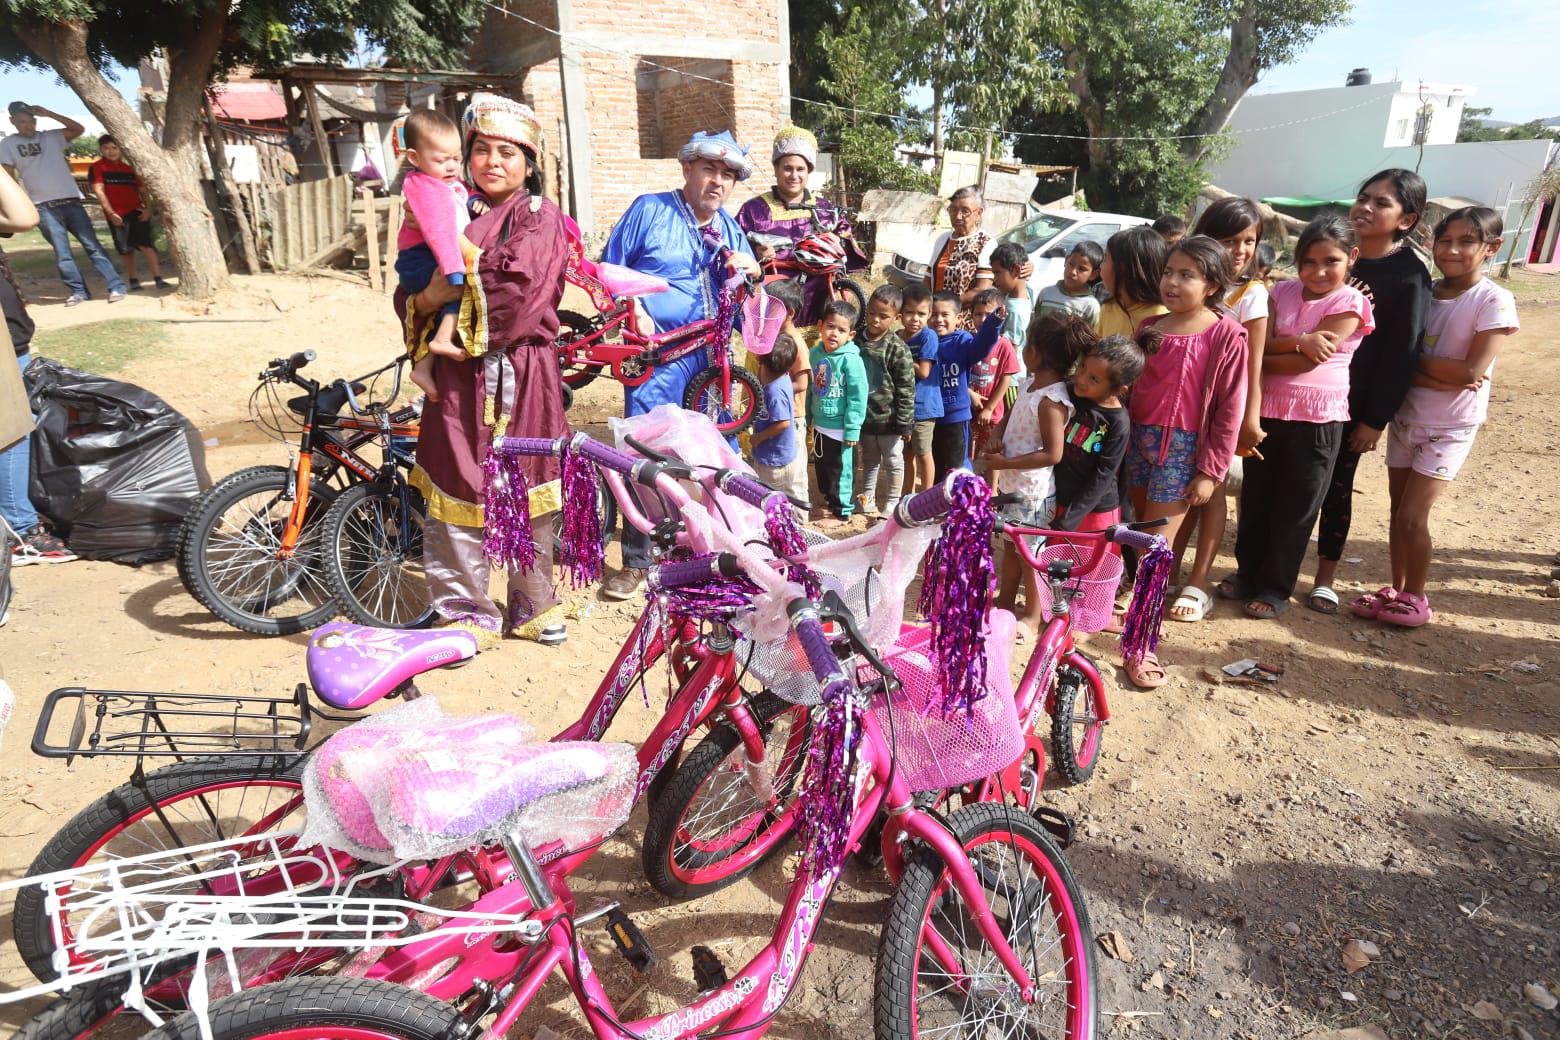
(1407, 610)
(1276, 608)
(1370, 605)
(1147, 674)
(1323, 600)
(1191, 604)
(1230, 588)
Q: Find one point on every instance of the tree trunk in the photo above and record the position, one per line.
(170, 172)
(937, 122)
(1238, 75)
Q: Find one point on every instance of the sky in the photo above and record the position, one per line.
(1504, 49)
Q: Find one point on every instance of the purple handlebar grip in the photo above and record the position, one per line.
(526, 446)
(748, 490)
(928, 505)
(605, 455)
(820, 655)
(689, 572)
(1142, 541)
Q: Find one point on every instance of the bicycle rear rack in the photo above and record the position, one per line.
(173, 725)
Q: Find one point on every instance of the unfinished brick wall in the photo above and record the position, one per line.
(672, 105)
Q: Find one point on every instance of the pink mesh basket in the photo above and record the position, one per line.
(1095, 592)
(931, 751)
(762, 317)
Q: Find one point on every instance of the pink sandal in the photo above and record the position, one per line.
(1407, 610)
(1371, 604)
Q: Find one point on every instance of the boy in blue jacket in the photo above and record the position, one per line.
(957, 350)
(836, 407)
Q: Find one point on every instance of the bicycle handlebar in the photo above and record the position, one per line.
(815, 644)
(285, 368)
(1134, 538)
(694, 572)
(929, 505)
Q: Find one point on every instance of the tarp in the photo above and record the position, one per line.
(1305, 201)
(254, 102)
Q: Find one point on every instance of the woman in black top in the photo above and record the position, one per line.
(1397, 284)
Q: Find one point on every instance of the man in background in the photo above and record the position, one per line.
(37, 158)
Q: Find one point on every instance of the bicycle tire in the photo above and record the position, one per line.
(362, 540)
(926, 890)
(848, 290)
(576, 376)
(685, 867)
(207, 550)
(347, 1009)
(1077, 734)
(186, 526)
(6, 588)
(111, 816)
(730, 421)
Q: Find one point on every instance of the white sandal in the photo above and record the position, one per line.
(1192, 603)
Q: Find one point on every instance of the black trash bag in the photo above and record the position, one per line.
(114, 469)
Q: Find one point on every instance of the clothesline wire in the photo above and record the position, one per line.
(904, 117)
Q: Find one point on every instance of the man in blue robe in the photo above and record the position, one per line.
(675, 235)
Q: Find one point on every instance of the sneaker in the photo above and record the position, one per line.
(161, 283)
(39, 546)
(116, 295)
(625, 584)
(75, 298)
(135, 285)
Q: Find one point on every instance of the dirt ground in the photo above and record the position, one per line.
(1396, 786)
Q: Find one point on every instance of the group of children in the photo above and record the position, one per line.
(1144, 403)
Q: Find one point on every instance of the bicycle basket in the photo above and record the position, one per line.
(1094, 600)
(933, 751)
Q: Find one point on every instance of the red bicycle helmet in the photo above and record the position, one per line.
(819, 252)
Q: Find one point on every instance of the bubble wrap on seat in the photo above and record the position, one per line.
(413, 783)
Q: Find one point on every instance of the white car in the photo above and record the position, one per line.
(1047, 237)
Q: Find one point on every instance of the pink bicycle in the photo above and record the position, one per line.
(986, 929)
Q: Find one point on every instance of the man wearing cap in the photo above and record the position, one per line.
(37, 157)
(675, 235)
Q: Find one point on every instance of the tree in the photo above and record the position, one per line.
(1166, 75)
(864, 61)
(1471, 127)
(83, 147)
(202, 39)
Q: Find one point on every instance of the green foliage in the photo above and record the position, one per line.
(83, 147)
(425, 33)
(986, 58)
(1470, 129)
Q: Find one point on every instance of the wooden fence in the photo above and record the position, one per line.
(324, 226)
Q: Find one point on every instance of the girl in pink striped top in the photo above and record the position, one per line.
(1317, 322)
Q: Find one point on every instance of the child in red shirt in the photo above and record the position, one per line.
(118, 191)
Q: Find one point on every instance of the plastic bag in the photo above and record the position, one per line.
(413, 783)
(693, 439)
(114, 468)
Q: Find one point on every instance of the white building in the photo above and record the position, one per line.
(1321, 144)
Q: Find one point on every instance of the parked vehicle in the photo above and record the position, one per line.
(1047, 237)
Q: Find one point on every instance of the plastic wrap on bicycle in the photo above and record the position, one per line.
(816, 645)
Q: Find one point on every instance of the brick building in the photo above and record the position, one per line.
(619, 87)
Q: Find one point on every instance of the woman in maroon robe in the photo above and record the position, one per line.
(512, 388)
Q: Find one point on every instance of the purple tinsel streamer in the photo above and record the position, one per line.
(1140, 630)
(725, 300)
(785, 538)
(956, 591)
(506, 513)
(583, 548)
(828, 798)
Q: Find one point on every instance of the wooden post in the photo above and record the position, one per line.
(318, 127)
(227, 190)
(371, 223)
(392, 242)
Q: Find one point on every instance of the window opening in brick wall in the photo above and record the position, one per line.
(675, 97)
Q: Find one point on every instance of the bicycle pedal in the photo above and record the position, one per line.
(1057, 822)
(708, 972)
(630, 941)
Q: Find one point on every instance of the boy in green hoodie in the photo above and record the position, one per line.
(890, 401)
(836, 408)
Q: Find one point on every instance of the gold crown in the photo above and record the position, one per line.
(493, 115)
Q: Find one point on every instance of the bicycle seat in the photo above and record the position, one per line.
(625, 281)
(352, 666)
(332, 400)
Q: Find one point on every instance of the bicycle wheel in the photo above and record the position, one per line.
(323, 1009)
(1076, 730)
(576, 373)
(186, 803)
(710, 828)
(232, 555)
(373, 555)
(5, 572)
(730, 417)
(187, 525)
(848, 291)
(956, 986)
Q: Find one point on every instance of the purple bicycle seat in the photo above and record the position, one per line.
(352, 666)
